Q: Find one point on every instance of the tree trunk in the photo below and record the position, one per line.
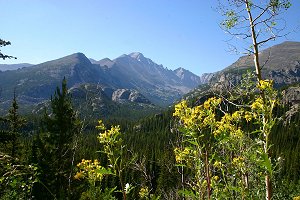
(259, 78)
(268, 187)
(254, 42)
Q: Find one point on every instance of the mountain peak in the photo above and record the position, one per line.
(180, 69)
(141, 58)
(136, 55)
(105, 62)
(75, 58)
(77, 55)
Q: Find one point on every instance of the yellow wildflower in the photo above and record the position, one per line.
(179, 108)
(236, 116)
(265, 84)
(206, 104)
(296, 198)
(218, 164)
(216, 178)
(226, 118)
(100, 125)
(79, 175)
(248, 116)
(257, 104)
(238, 161)
(238, 133)
(144, 192)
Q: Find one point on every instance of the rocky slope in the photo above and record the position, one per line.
(280, 63)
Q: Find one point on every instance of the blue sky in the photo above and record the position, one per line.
(175, 33)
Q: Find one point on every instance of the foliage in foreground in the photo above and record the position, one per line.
(214, 151)
(225, 160)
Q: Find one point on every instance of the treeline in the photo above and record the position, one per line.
(41, 156)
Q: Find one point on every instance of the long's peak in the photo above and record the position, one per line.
(136, 55)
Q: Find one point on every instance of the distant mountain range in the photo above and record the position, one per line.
(5, 67)
(134, 82)
(128, 78)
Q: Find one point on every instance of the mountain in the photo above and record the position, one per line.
(130, 78)
(188, 78)
(280, 63)
(5, 67)
(134, 71)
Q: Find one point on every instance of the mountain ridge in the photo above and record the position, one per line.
(133, 74)
(281, 60)
(133, 78)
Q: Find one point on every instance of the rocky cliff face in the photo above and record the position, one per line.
(121, 95)
(98, 101)
(187, 77)
(285, 76)
(206, 77)
(291, 95)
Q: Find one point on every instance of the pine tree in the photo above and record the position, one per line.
(12, 125)
(56, 144)
(16, 122)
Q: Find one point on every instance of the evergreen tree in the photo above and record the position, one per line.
(11, 127)
(16, 122)
(56, 145)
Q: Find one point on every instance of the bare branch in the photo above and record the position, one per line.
(261, 14)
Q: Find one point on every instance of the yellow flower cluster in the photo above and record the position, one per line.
(248, 116)
(237, 133)
(100, 125)
(218, 165)
(144, 192)
(203, 117)
(199, 117)
(258, 104)
(228, 125)
(109, 136)
(212, 103)
(265, 84)
(215, 178)
(183, 155)
(180, 109)
(296, 198)
(238, 162)
(90, 170)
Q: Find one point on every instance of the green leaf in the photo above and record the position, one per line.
(267, 163)
(180, 165)
(187, 193)
(104, 171)
(193, 142)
